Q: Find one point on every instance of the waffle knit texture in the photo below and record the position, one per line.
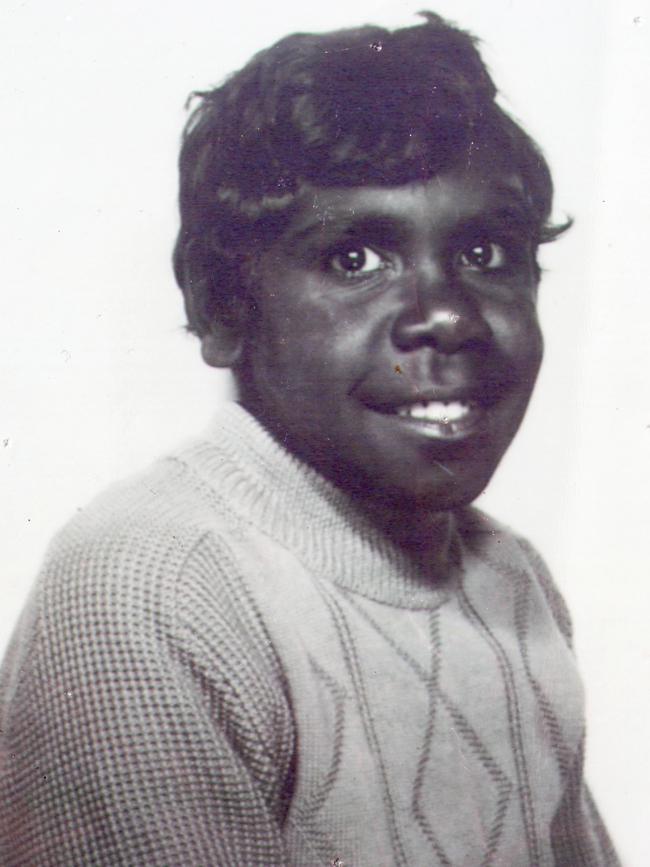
(223, 663)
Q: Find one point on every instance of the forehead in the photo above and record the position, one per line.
(439, 203)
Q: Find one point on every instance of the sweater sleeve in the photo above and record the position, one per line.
(578, 834)
(143, 715)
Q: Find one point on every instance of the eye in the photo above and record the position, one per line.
(483, 256)
(356, 260)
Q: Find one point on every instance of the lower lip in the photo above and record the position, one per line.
(451, 431)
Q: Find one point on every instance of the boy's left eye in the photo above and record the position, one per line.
(484, 256)
(354, 260)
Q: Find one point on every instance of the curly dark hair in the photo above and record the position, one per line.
(353, 107)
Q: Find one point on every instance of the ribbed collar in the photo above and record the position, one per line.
(290, 502)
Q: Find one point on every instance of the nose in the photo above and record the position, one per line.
(440, 314)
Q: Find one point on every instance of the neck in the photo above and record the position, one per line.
(423, 534)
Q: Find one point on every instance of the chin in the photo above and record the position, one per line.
(446, 495)
(446, 500)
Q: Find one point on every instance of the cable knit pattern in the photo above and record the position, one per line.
(224, 663)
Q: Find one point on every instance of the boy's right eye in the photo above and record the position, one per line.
(355, 260)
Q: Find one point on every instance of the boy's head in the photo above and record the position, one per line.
(359, 229)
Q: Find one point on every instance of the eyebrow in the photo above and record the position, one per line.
(521, 218)
(388, 229)
(516, 207)
(511, 209)
(339, 225)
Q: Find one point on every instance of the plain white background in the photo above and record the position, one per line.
(98, 377)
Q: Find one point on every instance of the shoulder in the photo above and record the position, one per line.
(514, 555)
(142, 598)
(149, 564)
(139, 532)
(151, 522)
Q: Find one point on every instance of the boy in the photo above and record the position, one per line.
(293, 642)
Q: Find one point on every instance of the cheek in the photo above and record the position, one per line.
(319, 329)
(534, 344)
(299, 348)
(518, 335)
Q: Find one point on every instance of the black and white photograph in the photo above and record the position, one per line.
(325, 434)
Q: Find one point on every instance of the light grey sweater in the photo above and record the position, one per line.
(222, 663)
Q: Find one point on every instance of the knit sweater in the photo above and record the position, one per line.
(224, 663)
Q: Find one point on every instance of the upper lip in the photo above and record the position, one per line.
(473, 395)
(483, 389)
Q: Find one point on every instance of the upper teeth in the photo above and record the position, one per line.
(435, 410)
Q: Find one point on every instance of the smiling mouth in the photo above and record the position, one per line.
(441, 419)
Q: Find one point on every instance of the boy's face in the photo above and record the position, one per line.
(395, 343)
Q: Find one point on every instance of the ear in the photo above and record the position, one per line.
(222, 345)
(221, 342)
